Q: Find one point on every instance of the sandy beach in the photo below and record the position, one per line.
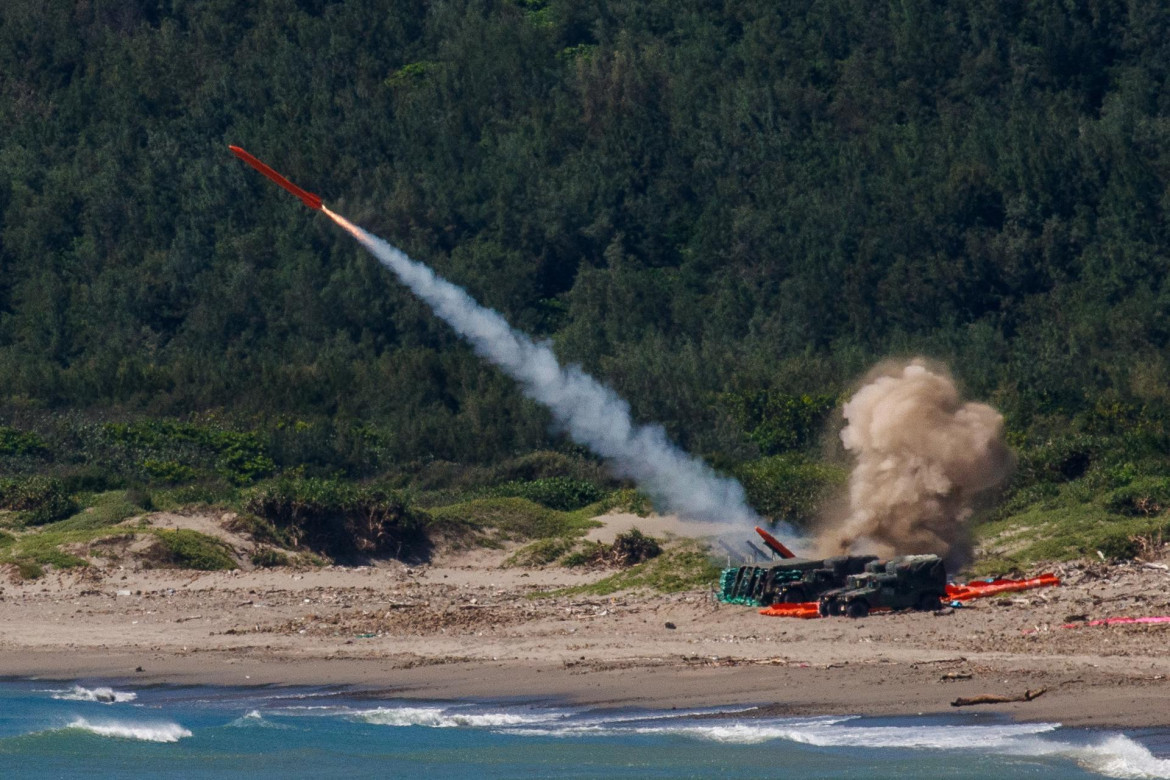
(464, 625)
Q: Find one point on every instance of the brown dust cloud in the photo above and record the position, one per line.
(923, 457)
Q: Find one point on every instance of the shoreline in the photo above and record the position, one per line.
(467, 626)
(864, 689)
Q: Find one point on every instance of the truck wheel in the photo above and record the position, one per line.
(857, 609)
(795, 596)
(929, 602)
(823, 609)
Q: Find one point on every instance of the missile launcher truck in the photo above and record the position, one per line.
(792, 580)
(907, 581)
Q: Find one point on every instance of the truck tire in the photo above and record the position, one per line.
(929, 602)
(857, 609)
(794, 596)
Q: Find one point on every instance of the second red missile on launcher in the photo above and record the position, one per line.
(774, 543)
(308, 198)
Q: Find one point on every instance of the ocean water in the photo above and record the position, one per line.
(58, 729)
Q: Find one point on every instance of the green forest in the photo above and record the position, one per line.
(727, 211)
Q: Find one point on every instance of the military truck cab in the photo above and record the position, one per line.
(908, 581)
(832, 573)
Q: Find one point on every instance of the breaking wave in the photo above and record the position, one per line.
(255, 719)
(829, 733)
(102, 694)
(145, 732)
(1120, 756)
(442, 717)
(1114, 755)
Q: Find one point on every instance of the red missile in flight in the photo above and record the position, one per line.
(308, 198)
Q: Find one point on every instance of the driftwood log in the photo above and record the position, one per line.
(1028, 695)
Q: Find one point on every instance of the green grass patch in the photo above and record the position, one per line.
(100, 511)
(625, 500)
(685, 565)
(46, 547)
(267, 557)
(172, 451)
(21, 443)
(789, 487)
(187, 549)
(200, 494)
(628, 549)
(517, 519)
(260, 530)
(341, 519)
(541, 552)
(1064, 526)
(36, 500)
(309, 560)
(1075, 496)
(1141, 497)
(563, 493)
(490, 521)
(29, 570)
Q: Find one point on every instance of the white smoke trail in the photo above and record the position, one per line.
(592, 414)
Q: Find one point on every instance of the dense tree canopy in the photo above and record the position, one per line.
(701, 202)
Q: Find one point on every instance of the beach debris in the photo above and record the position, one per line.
(629, 548)
(1119, 621)
(670, 625)
(961, 659)
(956, 676)
(991, 698)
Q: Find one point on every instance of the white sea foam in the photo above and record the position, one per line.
(1120, 756)
(254, 719)
(1113, 756)
(101, 694)
(146, 732)
(829, 734)
(682, 723)
(311, 711)
(442, 717)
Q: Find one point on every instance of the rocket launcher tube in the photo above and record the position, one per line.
(309, 199)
